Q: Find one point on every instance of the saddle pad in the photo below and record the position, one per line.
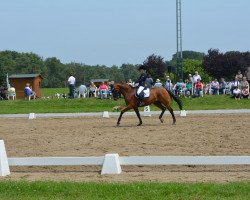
(146, 91)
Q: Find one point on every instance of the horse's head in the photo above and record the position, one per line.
(115, 91)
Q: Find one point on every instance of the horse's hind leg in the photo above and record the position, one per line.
(172, 113)
(159, 105)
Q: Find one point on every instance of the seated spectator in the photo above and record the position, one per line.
(158, 84)
(12, 92)
(103, 90)
(3, 92)
(188, 88)
(215, 87)
(237, 93)
(245, 88)
(82, 91)
(245, 93)
(92, 90)
(222, 86)
(130, 82)
(28, 93)
(149, 81)
(178, 87)
(235, 84)
(198, 88)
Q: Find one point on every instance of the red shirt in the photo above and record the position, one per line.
(198, 85)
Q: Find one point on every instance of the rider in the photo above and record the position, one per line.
(141, 82)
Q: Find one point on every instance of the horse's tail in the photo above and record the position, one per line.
(177, 99)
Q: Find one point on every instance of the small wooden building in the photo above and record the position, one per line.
(98, 82)
(19, 81)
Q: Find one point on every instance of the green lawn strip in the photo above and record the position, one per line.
(71, 190)
(208, 102)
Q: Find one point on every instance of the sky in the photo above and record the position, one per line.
(113, 32)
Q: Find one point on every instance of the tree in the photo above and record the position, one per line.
(155, 66)
(129, 71)
(194, 55)
(226, 65)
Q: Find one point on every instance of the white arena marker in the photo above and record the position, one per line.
(147, 112)
(111, 164)
(4, 165)
(105, 114)
(183, 113)
(32, 116)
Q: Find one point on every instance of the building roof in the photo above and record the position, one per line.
(99, 80)
(24, 75)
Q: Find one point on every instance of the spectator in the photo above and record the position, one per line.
(92, 90)
(3, 92)
(190, 78)
(188, 88)
(198, 88)
(149, 82)
(130, 82)
(103, 89)
(196, 76)
(215, 87)
(239, 76)
(237, 93)
(28, 93)
(71, 84)
(222, 86)
(235, 84)
(158, 84)
(245, 93)
(169, 85)
(178, 87)
(248, 75)
(82, 91)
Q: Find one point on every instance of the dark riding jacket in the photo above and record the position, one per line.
(142, 79)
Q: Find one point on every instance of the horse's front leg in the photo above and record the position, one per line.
(122, 112)
(138, 115)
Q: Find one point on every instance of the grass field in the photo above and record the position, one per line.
(71, 190)
(208, 102)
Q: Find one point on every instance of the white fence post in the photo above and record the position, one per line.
(111, 164)
(32, 116)
(147, 112)
(4, 165)
(105, 114)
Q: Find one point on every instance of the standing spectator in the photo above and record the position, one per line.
(158, 84)
(71, 84)
(169, 85)
(92, 90)
(248, 75)
(215, 86)
(149, 81)
(245, 87)
(196, 76)
(239, 76)
(222, 85)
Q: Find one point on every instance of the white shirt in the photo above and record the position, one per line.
(196, 77)
(71, 80)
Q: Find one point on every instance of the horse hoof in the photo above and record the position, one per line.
(161, 120)
(139, 124)
(118, 124)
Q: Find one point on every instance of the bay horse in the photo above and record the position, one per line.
(158, 96)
